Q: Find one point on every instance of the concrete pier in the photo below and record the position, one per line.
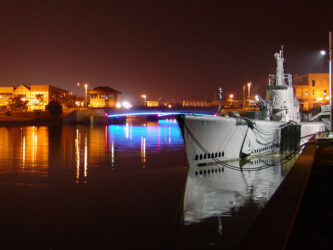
(313, 227)
(280, 225)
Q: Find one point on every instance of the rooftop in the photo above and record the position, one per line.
(103, 90)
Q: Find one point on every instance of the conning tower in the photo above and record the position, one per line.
(280, 94)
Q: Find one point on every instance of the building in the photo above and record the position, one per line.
(312, 90)
(103, 97)
(36, 97)
(152, 104)
(195, 103)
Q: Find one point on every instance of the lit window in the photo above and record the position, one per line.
(313, 92)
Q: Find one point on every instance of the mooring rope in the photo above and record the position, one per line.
(225, 164)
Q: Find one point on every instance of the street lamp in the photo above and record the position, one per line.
(248, 87)
(78, 88)
(243, 95)
(323, 52)
(231, 96)
(86, 93)
(144, 97)
(330, 77)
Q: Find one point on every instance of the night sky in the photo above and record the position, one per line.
(171, 50)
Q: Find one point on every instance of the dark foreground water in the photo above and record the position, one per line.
(123, 186)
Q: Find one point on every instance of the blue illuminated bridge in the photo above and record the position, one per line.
(156, 112)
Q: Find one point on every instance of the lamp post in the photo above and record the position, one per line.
(231, 96)
(248, 89)
(243, 96)
(144, 97)
(330, 77)
(78, 88)
(86, 94)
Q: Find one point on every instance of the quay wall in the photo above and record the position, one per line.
(273, 226)
(92, 116)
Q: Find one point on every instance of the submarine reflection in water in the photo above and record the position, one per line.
(218, 191)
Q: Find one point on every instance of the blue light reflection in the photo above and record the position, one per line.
(156, 113)
(156, 136)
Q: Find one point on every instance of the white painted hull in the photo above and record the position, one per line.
(310, 128)
(209, 139)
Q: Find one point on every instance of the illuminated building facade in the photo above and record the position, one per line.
(152, 103)
(195, 103)
(36, 96)
(103, 97)
(312, 90)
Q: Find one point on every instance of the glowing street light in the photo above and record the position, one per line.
(144, 97)
(244, 95)
(323, 52)
(127, 105)
(78, 86)
(231, 96)
(86, 93)
(248, 89)
(330, 76)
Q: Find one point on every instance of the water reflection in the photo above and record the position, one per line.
(221, 191)
(143, 151)
(123, 146)
(81, 156)
(27, 146)
(46, 149)
(133, 176)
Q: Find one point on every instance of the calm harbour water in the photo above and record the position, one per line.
(123, 186)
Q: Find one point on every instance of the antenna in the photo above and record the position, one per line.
(281, 51)
(220, 100)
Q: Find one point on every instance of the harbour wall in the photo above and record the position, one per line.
(274, 225)
(88, 116)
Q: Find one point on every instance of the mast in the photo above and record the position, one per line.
(279, 67)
